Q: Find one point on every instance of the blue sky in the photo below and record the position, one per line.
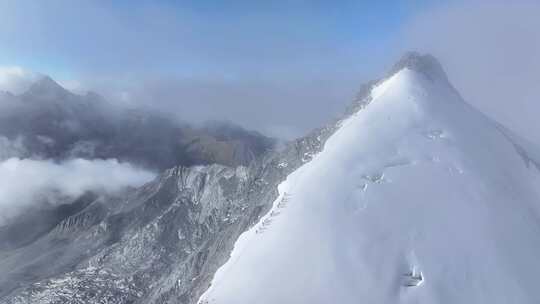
(199, 38)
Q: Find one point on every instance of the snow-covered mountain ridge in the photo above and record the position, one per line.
(412, 196)
(415, 198)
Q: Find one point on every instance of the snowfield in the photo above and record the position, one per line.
(416, 198)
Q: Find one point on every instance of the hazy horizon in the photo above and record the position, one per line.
(300, 63)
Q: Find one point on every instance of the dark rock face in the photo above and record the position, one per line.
(30, 226)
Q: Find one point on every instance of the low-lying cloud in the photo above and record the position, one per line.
(16, 79)
(27, 182)
(275, 108)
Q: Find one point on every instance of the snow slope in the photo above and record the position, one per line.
(416, 198)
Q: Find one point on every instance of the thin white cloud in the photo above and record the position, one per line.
(27, 182)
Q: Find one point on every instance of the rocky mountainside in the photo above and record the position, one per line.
(160, 243)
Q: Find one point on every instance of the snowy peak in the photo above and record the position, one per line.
(424, 66)
(415, 198)
(423, 63)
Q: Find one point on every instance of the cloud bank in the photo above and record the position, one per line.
(281, 60)
(32, 183)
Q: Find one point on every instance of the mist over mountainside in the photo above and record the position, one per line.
(57, 147)
(412, 196)
(49, 122)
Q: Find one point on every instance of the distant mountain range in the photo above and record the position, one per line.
(48, 121)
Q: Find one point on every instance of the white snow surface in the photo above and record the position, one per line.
(416, 182)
